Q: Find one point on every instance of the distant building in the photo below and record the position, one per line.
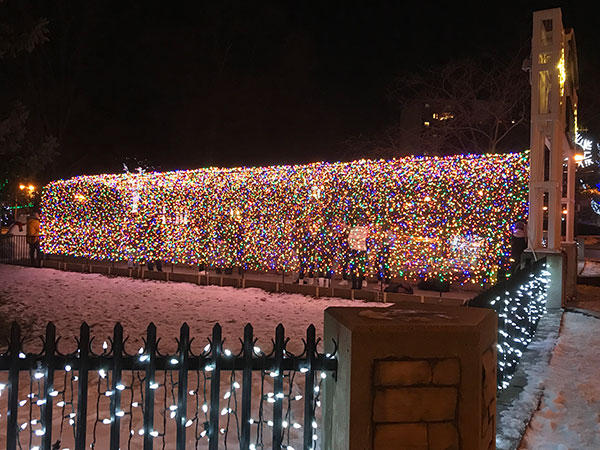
(418, 118)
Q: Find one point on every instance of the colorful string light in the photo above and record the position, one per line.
(440, 217)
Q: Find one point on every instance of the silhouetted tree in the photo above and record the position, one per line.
(479, 106)
(22, 153)
(464, 106)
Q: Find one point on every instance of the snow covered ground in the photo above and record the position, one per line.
(569, 413)
(588, 268)
(35, 296)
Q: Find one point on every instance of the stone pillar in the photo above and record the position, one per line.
(554, 83)
(562, 266)
(411, 376)
(570, 217)
(580, 249)
(569, 249)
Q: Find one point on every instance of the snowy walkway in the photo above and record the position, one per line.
(35, 296)
(569, 413)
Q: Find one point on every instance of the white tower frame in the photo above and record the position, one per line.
(554, 84)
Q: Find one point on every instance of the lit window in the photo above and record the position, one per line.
(546, 32)
(544, 86)
(543, 58)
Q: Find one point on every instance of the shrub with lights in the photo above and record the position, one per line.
(447, 217)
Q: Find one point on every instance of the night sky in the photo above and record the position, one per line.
(192, 84)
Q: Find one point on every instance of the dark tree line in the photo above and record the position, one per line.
(23, 149)
(42, 55)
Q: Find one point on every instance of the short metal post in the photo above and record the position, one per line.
(309, 388)
(181, 414)
(149, 391)
(115, 399)
(82, 387)
(248, 351)
(215, 386)
(278, 387)
(13, 387)
(48, 367)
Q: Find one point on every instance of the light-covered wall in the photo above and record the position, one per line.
(445, 217)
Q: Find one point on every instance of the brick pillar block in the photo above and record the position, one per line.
(411, 376)
(442, 436)
(402, 373)
(411, 435)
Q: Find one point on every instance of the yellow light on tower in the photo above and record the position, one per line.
(562, 73)
(21, 186)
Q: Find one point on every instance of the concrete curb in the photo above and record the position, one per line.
(237, 282)
(590, 281)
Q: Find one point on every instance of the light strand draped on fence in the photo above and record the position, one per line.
(188, 398)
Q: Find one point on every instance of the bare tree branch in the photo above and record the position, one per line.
(480, 107)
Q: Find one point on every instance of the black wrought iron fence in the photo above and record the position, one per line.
(211, 398)
(14, 249)
(520, 302)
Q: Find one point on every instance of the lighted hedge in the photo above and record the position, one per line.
(448, 217)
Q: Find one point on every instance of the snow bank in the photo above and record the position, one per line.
(34, 297)
(569, 413)
(589, 268)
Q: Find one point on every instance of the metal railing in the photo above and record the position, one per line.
(519, 302)
(212, 398)
(14, 249)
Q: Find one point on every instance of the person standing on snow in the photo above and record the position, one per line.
(306, 250)
(518, 244)
(33, 239)
(384, 255)
(154, 238)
